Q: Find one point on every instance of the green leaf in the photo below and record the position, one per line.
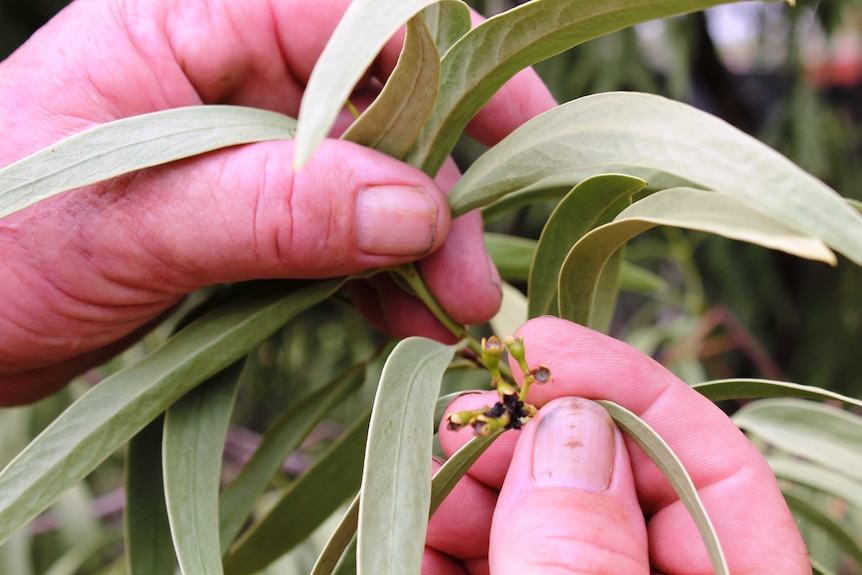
(149, 548)
(393, 121)
(607, 290)
(363, 31)
(112, 412)
(282, 438)
(813, 431)
(304, 505)
(347, 563)
(457, 466)
(447, 21)
(130, 144)
(670, 466)
(715, 212)
(840, 534)
(396, 482)
(194, 437)
(593, 202)
(494, 51)
(512, 255)
(339, 541)
(818, 478)
(73, 561)
(634, 278)
(722, 389)
(615, 130)
(818, 569)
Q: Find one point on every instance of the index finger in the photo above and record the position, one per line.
(734, 481)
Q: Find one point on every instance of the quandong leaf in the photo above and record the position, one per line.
(672, 468)
(593, 202)
(130, 144)
(393, 120)
(447, 21)
(396, 481)
(194, 436)
(148, 544)
(610, 130)
(714, 212)
(494, 51)
(360, 35)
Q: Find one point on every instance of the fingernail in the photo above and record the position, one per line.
(574, 446)
(395, 221)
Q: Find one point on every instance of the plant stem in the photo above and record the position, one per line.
(413, 279)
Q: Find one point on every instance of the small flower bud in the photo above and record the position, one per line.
(492, 351)
(515, 345)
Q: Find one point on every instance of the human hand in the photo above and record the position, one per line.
(86, 273)
(569, 494)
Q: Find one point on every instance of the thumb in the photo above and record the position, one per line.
(568, 504)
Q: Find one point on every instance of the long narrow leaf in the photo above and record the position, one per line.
(304, 505)
(843, 536)
(714, 212)
(363, 31)
(149, 548)
(393, 121)
(339, 541)
(814, 431)
(487, 56)
(194, 436)
(282, 438)
(666, 460)
(615, 130)
(722, 389)
(457, 466)
(131, 144)
(447, 21)
(396, 482)
(818, 478)
(109, 414)
(593, 202)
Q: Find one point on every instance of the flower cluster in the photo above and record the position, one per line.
(511, 412)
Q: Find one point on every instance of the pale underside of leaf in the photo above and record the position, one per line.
(447, 21)
(493, 52)
(357, 40)
(671, 467)
(713, 212)
(194, 436)
(396, 487)
(814, 431)
(607, 131)
(393, 120)
(130, 144)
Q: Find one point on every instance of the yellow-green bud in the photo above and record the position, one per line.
(492, 351)
(515, 345)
